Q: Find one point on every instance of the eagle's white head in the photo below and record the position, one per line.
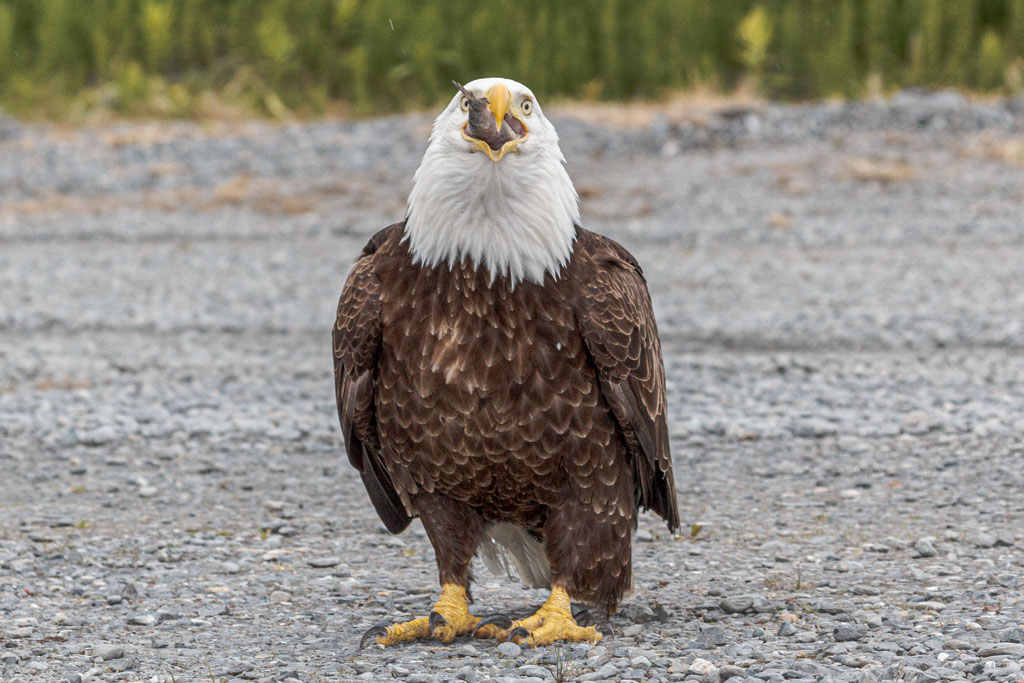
(502, 200)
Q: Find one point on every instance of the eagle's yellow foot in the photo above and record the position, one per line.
(449, 618)
(551, 623)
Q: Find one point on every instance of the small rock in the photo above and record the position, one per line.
(633, 630)
(929, 605)
(997, 649)
(122, 664)
(280, 596)
(702, 667)
(1012, 635)
(924, 548)
(737, 604)
(731, 671)
(985, 539)
(321, 562)
(640, 662)
(607, 672)
(847, 632)
(97, 437)
(787, 629)
(956, 644)
(509, 649)
(144, 619)
(711, 637)
(147, 491)
(466, 674)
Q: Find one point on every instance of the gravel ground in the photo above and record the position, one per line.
(841, 298)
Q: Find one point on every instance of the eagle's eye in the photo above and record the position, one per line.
(527, 106)
(464, 104)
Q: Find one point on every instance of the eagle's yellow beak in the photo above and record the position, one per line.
(499, 97)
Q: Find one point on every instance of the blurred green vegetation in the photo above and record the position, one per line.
(65, 58)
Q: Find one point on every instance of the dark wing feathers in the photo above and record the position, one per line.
(618, 327)
(356, 337)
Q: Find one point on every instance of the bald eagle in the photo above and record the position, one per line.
(499, 375)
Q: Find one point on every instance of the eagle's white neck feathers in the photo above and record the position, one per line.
(515, 217)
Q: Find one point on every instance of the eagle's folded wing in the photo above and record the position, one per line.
(618, 327)
(357, 338)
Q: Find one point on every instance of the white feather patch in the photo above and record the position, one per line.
(505, 545)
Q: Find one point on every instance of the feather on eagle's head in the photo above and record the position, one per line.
(495, 193)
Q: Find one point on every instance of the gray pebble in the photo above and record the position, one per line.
(509, 649)
(738, 604)
(727, 671)
(421, 678)
(997, 649)
(143, 619)
(321, 562)
(847, 632)
(607, 672)
(924, 548)
(1012, 635)
(122, 664)
(640, 662)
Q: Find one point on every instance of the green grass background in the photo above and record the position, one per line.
(66, 58)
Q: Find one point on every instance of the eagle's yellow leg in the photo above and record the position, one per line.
(551, 623)
(449, 618)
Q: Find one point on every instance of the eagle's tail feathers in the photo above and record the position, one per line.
(506, 545)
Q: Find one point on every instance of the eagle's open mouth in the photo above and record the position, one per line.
(513, 131)
(491, 125)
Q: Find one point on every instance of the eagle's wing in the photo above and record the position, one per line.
(618, 327)
(357, 339)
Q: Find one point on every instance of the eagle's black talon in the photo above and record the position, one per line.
(518, 632)
(372, 633)
(436, 620)
(583, 617)
(502, 621)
